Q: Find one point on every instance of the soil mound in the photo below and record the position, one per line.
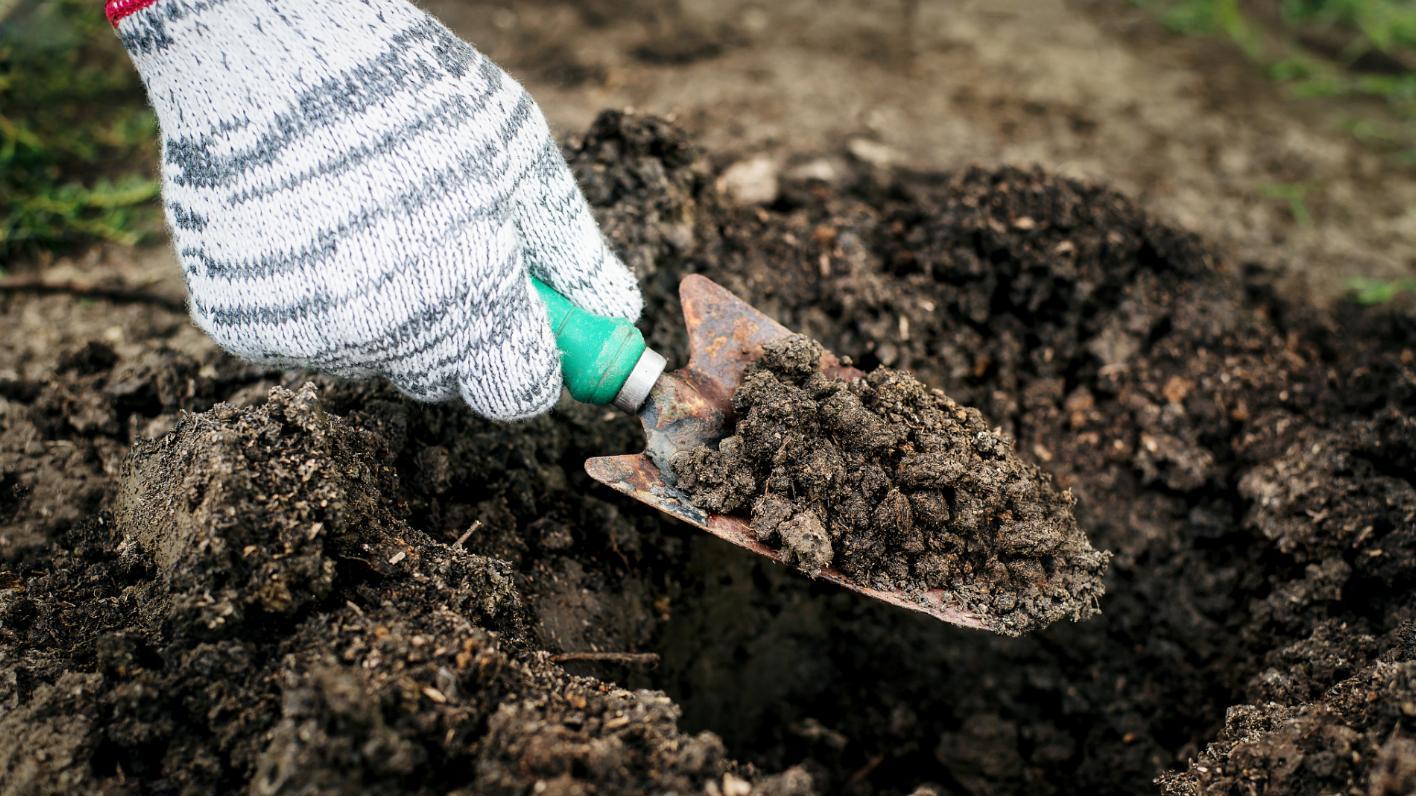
(1248, 462)
(236, 508)
(1222, 443)
(898, 487)
(269, 620)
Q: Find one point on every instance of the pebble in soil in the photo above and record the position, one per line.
(898, 487)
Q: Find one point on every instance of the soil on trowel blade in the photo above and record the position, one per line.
(345, 591)
(898, 487)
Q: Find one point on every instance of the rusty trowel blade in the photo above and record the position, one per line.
(725, 335)
(692, 406)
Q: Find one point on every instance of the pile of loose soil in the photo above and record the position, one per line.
(341, 590)
(267, 619)
(898, 487)
(1246, 459)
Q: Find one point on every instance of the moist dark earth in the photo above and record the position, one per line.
(898, 487)
(328, 588)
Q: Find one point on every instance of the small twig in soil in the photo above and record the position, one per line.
(631, 658)
(864, 771)
(467, 534)
(116, 293)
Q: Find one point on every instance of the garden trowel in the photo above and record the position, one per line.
(605, 361)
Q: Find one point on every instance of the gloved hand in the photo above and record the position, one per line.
(352, 188)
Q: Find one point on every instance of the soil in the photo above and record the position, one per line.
(268, 620)
(898, 487)
(330, 588)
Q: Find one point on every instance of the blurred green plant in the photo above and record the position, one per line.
(1384, 25)
(1322, 48)
(1292, 194)
(1379, 291)
(77, 141)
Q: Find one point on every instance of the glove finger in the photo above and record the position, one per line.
(563, 243)
(512, 366)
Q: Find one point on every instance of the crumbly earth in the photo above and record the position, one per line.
(897, 487)
(1247, 460)
(248, 624)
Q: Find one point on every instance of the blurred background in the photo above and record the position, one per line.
(1284, 130)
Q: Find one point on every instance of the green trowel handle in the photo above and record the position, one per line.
(597, 353)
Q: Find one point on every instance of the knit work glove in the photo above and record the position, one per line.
(352, 188)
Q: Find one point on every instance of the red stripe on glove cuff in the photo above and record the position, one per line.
(117, 9)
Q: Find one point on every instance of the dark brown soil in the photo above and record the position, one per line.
(899, 488)
(273, 596)
(269, 618)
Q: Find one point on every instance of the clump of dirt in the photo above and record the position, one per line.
(1339, 740)
(268, 556)
(67, 431)
(898, 487)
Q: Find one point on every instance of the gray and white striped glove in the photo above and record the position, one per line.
(352, 188)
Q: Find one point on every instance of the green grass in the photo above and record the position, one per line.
(77, 141)
(1359, 49)
(1379, 291)
(1362, 50)
(1294, 195)
(1385, 25)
